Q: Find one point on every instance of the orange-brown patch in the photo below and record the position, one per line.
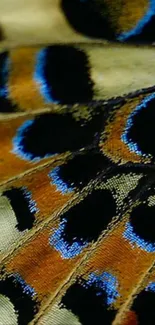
(113, 146)
(131, 13)
(44, 193)
(23, 89)
(41, 266)
(124, 15)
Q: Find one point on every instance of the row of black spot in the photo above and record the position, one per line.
(49, 134)
(76, 174)
(88, 303)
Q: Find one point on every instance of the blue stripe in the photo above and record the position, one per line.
(40, 79)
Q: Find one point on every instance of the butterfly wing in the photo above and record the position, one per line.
(77, 189)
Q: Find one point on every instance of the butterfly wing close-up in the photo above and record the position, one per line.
(77, 162)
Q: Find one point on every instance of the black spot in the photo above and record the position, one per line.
(144, 307)
(142, 131)
(21, 205)
(88, 18)
(147, 33)
(6, 106)
(56, 133)
(87, 220)
(67, 74)
(83, 168)
(25, 307)
(89, 304)
(142, 219)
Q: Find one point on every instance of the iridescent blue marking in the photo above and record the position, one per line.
(133, 146)
(136, 240)
(141, 24)
(150, 287)
(39, 77)
(66, 250)
(18, 148)
(4, 75)
(31, 203)
(56, 180)
(26, 288)
(106, 282)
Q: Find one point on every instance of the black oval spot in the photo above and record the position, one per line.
(142, 219)
(78, 171)
(67, 74)
(50, 134)
(23, 206)
(142, 130)
(88, 18)
(89, 304)
(86, 220)
(144, 306)
(24, 305)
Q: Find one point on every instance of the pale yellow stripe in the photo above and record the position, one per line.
(119, 70)
(35, 22)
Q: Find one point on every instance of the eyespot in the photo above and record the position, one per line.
(63, 75)
(77, 227)
(89, 299)
(77, 172)
(50, 134)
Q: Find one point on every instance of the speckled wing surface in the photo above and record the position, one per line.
(77, 162)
